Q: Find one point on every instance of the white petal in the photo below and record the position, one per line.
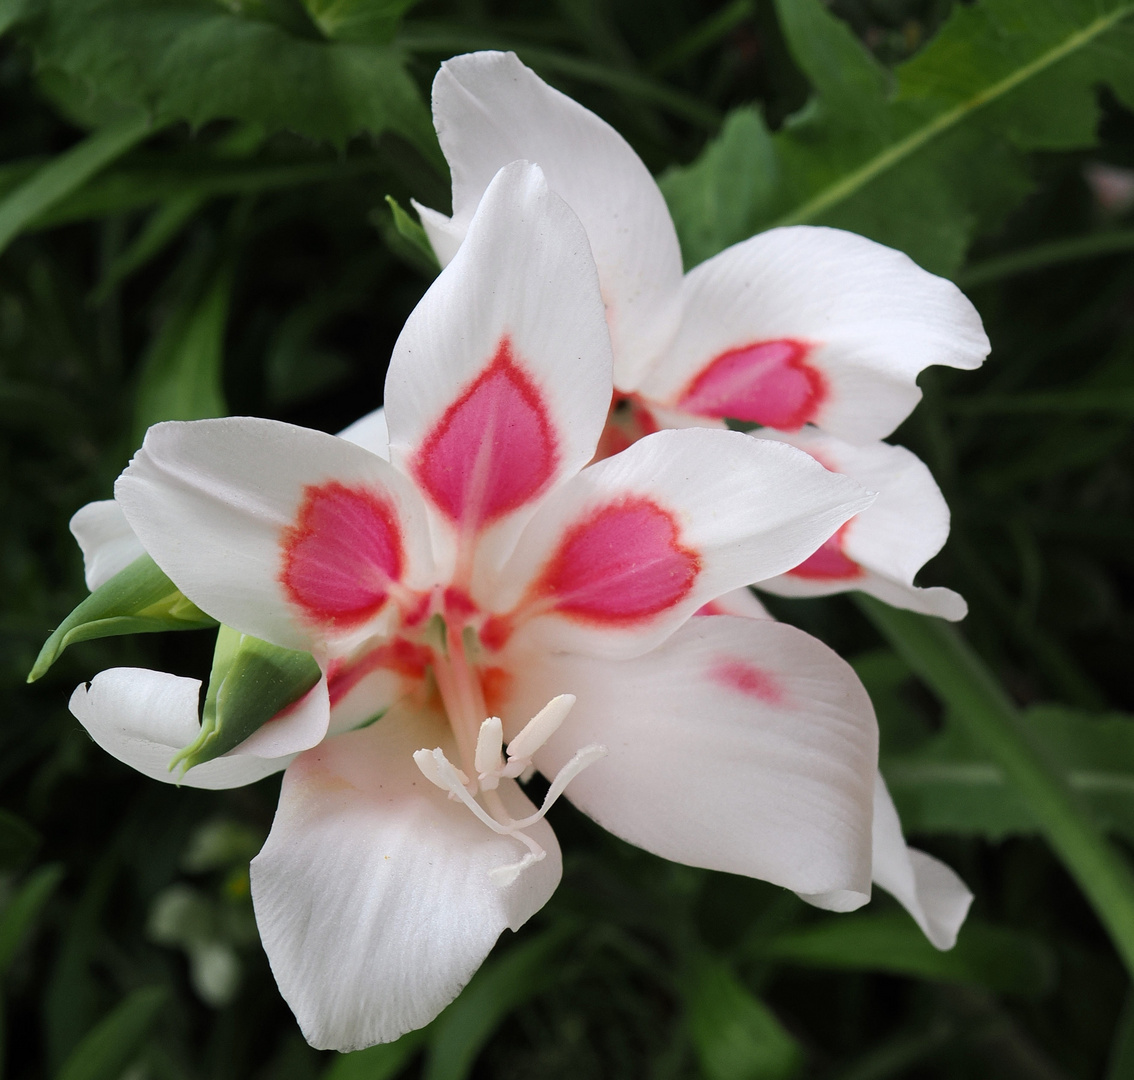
(500, 382)
(903, 528)
(371, 433)
(489, 109)
(372, 893)
(741, 745)
(741, 602)
(869, 317)
(215, 501)
(933, 894)
(734, 510)
(106, 539)
(144, 717)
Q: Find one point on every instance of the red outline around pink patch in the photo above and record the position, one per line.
(341, 554)
(598, 551)
(400, 656)
(765, 382)
(746, 678)
(830, 562)
(517, 462)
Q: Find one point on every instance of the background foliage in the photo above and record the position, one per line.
(193, 222)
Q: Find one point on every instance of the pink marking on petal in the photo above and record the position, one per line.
(711, 608)
(341, 555)
(399, 656)
(767, 382)
(749, 680)
(622, 564)
(493, 450)
(628, 420)
(830, 562)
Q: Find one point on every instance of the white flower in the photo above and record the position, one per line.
(472, 575)
(795, 329)
(815, 333)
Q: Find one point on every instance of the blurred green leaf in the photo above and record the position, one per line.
(132, 186)
(950, 786)
(18, 840)
(194, 60)
(381, 1062)
(11, 11)
(500, 986)
(181, 374)
(109, 1047)
(990, 956)
(221, 844)
(716, 200)
(736, 1036)
(21, 910)
(367, 22)
(920, 160)
(251, 682)
(138, 600)
(59, 177)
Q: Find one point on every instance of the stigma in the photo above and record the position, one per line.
(492, 765)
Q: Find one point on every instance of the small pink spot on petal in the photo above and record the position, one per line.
(493, 450)
(624, 563)
(830, 562)
(767, 382)
(748, 679)
(341, 555)
(711, 608)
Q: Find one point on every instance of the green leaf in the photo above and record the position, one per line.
(714, 200)
(18, 840)
(250, 683)
(920, 158)
(133, 185)
(502, 985)
(138, 600)
(11, 12)
(108, 1048)
(20, 912)
(195, 60)
(950, 667)
(380, 1062)
(950, 786)
(736, 1036)
(367, 22)
(994, 957)
(70, 170)
(407, 238)
(181, 374)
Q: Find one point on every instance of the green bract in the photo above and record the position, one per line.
(137, 600)
(251, 682)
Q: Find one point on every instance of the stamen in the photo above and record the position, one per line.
(541, 727)
(489, 757)
(492, 768)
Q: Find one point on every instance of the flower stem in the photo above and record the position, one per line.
(949, 666)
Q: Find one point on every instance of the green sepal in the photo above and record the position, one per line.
(251, 681)
(407, 238)
(138, 600)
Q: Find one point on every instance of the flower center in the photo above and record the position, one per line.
(492, 766)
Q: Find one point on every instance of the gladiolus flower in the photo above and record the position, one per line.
(481, 601)
(815, 334)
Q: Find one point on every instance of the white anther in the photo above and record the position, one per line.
(439, 770)
(540, 728)
(489, 757)
(491, 768)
